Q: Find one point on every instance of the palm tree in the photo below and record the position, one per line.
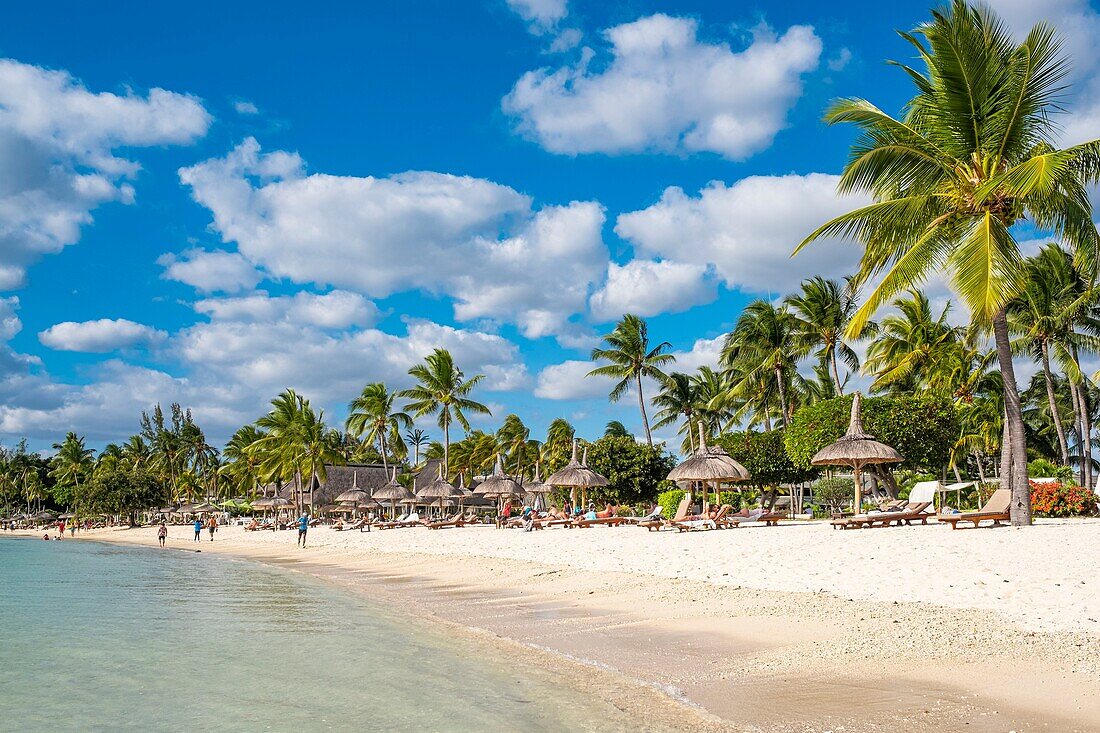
(243, 465)
(764, 343)
(678, 399)
(557, 446)
(973, 155)
(1041, 315)
(912, 345)
(615, 429)
(372, 417)
(515, 440)
(822, 313)
(442, 389)
(72, 462)
(417, 438)
(627, 350)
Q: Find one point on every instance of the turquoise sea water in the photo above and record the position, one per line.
(100, 637)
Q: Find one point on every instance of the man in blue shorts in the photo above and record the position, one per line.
(303, 526)
(198, 529)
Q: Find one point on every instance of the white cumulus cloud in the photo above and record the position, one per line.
(57, 159)
(648, 288)
(337, 309)
(99, 336)
(542, 15)
(477, 241)
(210, 271)
(665, 90)
(748, 230)
(570, 381)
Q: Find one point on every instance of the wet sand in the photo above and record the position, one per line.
(722, 657)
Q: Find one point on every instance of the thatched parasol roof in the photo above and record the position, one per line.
(268, 502)
(393, 492)
(439, 489)
(576, 475)
(498, 485)
(856, 448)
(203, 508)
(354, 495)
(709, 464)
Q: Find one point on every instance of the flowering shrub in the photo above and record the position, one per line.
(1055, 499)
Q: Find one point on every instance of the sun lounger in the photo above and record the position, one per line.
(355, 525)
(995, 510)
(605, 521)
(695, 524)
(655, 524)
(909, 513)
(768, 519)
(456, 521)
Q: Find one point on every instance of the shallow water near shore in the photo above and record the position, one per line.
(101, 637)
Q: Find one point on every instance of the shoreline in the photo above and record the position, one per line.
(728, 657)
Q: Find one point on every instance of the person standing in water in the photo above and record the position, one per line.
(162, 534)
(198, 529)
(303, 527)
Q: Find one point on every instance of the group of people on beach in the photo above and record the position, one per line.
(529, 514)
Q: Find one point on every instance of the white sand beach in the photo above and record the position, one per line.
(796, 627)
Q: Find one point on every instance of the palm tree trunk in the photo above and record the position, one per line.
(1075, 398)
(446, 448)
(691, 434)
(382, 450)
(1020, 509)
(782, 395)
(1086, 424)
(641, 404)
(767, 420)
(978, 463)
(836, 373)
(1054, 416)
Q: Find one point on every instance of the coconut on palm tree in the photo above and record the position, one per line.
(630, 359)
(973, 155)
(442, 389)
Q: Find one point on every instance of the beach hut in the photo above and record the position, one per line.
(709, 465)
(577, 475)
(856, 448)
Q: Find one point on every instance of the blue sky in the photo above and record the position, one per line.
(212, 203)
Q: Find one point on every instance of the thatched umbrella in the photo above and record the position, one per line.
(440, 491)
(499, 485)
(354, 496)
(394, 493)
(203, 508)
(577, 475)
(535, 491)
(857, 449)
(709, 464)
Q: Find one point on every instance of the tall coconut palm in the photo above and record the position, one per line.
(763, 344)
(678, 400)
(615, 429)
(442, 389)
(1041, 315)
(73, 461)
(243, 466)
(822, 313)
(911, 346)
(373, 417)
(631, 358)
(416, 438)
(557, 446)
(973, 155)
(515, 441)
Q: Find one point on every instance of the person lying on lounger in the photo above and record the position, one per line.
(608, 511)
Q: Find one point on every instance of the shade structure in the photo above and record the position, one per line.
(535, 491)
(856, 448)
(709, 465)
(167, 510)
(440, 493)
(203, 508)
(354, 495)
(270, 502)
(498, 485)
(577, 475)
(393, 493)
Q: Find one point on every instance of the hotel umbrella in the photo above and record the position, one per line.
(576, 476)
(498, 485)
(393, 493)
(353, 496)
(535, 492)
(857, 449)
(439, 491)
(203, 508)
(709, 464)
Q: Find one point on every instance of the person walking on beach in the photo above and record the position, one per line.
(61, 530)
(212, 525)
(198, 529)
(303, 527)
(162, 534)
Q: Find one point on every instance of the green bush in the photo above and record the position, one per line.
(1042, 468)
(765, 456)
(922, 428)
(634, 470)
(834, 493)
(669, 500)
